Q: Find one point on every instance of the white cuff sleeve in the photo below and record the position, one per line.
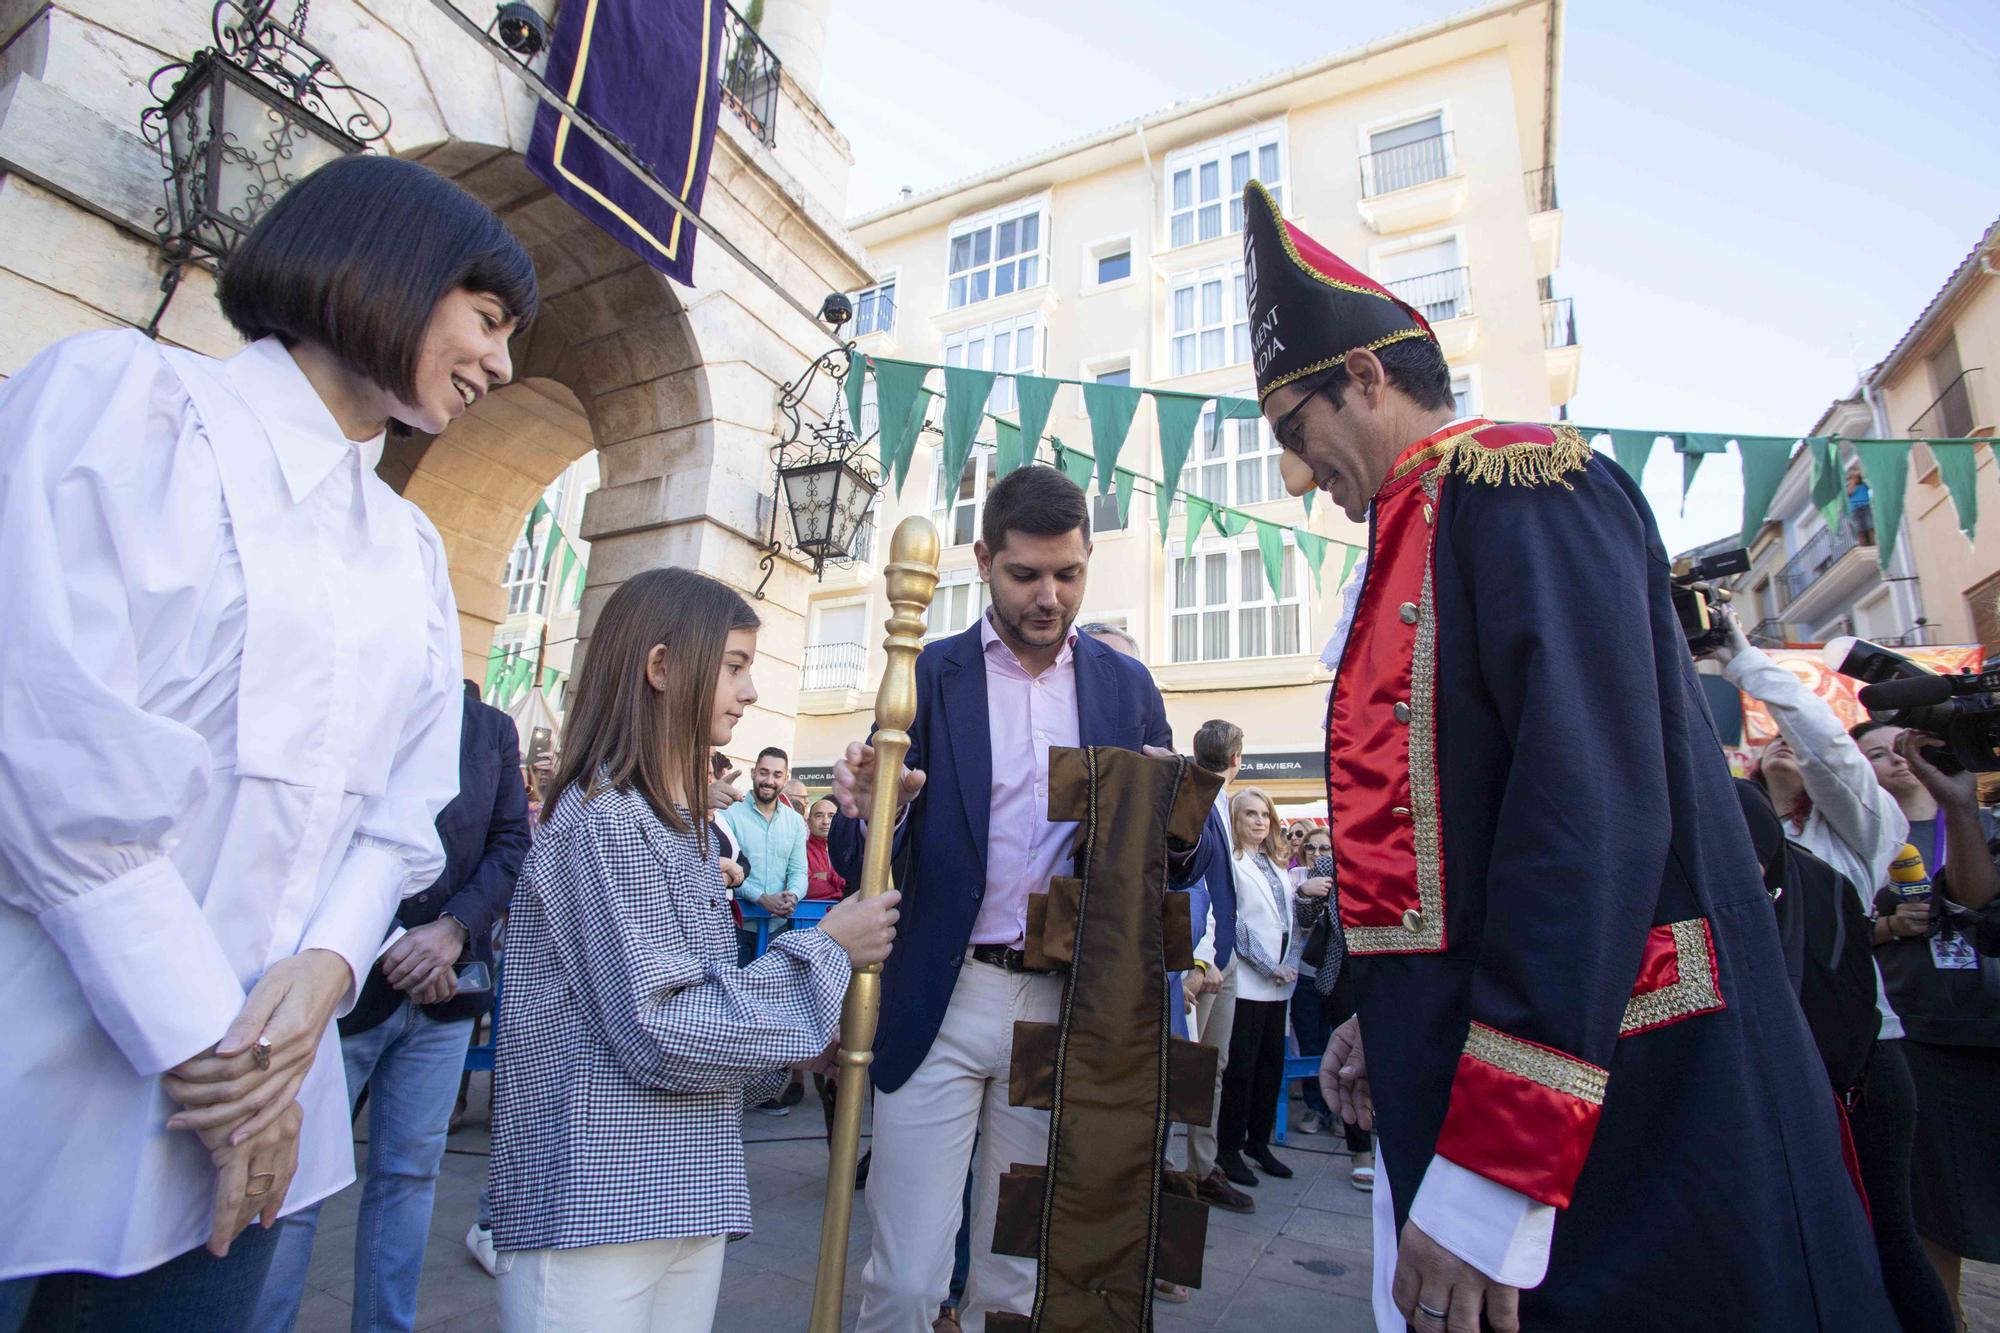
(154, 973)
(1502, 1233)
(358, 912)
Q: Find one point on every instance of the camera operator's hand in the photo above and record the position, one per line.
(1953, 791)
(1725, 619)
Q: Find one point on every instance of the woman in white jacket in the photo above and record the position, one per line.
(1830, 802)
(1254, 1077)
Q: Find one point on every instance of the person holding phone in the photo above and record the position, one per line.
(405, 1039)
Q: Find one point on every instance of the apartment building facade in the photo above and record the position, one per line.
(1427, 159)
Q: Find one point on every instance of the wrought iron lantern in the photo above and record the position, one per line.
(826, 483)
(240, 123)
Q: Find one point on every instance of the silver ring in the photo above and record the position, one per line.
(1435, 1314)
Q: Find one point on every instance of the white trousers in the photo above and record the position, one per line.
(1215, 1019)
(923, 1143)
(644, 1286)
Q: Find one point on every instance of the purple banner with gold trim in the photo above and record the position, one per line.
(648, 72)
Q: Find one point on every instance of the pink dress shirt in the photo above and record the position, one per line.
(1025, 715)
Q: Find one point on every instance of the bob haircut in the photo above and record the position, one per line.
(356, 257)
(1273, 845)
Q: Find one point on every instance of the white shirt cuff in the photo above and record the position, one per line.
(1501, 1232)
(357, 913)
(155, 975)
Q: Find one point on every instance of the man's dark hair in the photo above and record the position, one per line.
(472, 691)
(356, 256)
(1039, 501)
(770, 750)
(1414, 365)
(1217, 742)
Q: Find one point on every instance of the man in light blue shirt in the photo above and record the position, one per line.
(772, 835)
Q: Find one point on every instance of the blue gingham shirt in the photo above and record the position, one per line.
(631, 1039)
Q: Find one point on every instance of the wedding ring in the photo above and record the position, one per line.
(269, 1178)
(260, 1054)
(1426, 1310)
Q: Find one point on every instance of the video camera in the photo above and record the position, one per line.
(1962, 711)
(1695, 594)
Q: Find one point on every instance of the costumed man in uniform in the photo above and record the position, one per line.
(974, 841)
(1597, 1101)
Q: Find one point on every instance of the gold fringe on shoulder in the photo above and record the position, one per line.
(1523, 464)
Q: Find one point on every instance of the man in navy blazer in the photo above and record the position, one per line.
(973, 841)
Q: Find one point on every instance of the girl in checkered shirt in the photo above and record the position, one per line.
(632, 1038)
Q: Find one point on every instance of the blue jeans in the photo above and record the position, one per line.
(1310, 1026)
(192, 1293)
(410, 1064)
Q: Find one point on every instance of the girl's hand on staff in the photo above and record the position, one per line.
(864, 927)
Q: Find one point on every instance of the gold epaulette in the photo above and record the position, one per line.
(1520, 462)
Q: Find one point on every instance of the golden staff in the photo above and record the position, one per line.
(912, 578)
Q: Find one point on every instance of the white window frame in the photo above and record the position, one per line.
(816, 625)
(944, 509)
(1365, 133)
(1239, 554)
(1474, 391)
(980, 598)
(1105, 248)
(1228, 201)
(1404, 244)
(974, 347)
(1233, 327)
(1090, 370)
(1226, 464)
(992, 219)
(891, 280)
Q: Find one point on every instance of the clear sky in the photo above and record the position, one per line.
(1759, 197)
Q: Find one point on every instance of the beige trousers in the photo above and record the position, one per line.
(1215, 1019)
(923, 1143)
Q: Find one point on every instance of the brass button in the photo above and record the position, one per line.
(1413, 920)
(1408, 611)
(1430, 514)
(1401, 711)
(1400, 811)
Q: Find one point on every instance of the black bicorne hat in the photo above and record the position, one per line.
(1308, 308)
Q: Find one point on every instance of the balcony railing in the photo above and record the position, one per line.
(749, 76)
(1446, 294)
(1406, 164)
(1814, 559)
(1541, 187)
(831, 666)
(1769, 633)
(1950, 415)
(1559, 323)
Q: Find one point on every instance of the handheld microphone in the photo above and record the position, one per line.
(1910, 692)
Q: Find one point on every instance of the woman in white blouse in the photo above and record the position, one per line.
(229, 707)
(1253, 1079)
(618, 1090)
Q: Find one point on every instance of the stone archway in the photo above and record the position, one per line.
(611, 364)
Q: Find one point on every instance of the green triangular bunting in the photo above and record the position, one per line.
(1886, 465)
(1230, 522)
(1125, 480)
(1829, 488)
(1631, 449)
(1235, 409)
(900, 399)
(1271, 541)
(1347, 564)
(1110, 408)
(1958, 466)
(965, 393)
(1178, 415)
(1313, 547)
(1076, 466)
(1006, 448)
(854, 386)
(1036, 395)
(1764, 460)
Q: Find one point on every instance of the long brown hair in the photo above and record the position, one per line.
(623, 733)
(1273, 845)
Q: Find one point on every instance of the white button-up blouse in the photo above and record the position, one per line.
(229, 714)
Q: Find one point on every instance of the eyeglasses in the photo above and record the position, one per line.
(1285, 431)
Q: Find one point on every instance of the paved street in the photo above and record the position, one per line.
(1300, 1261)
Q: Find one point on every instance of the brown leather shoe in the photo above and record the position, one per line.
(1217, 1192)
(947, 1320)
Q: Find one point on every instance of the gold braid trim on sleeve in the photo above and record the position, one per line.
(1538, 1064)
(1525, 464)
